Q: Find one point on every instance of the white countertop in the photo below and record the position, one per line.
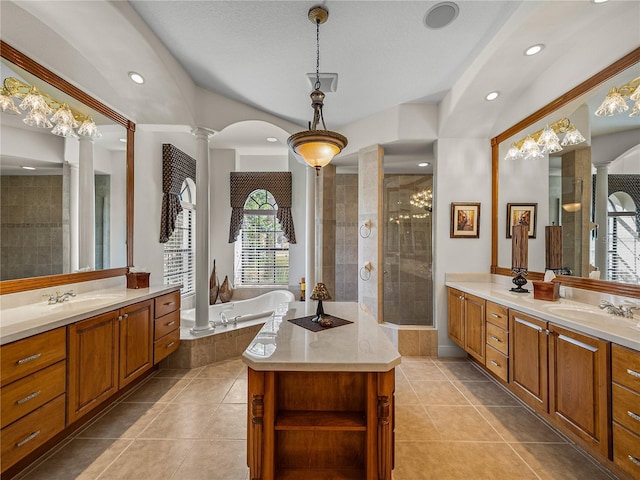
(26, 320)
(361, 346)
(578, 316)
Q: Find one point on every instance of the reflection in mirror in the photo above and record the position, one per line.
(63, 180)
(590, 188)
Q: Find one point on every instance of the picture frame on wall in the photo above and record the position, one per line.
(525, 212)
(465, 220)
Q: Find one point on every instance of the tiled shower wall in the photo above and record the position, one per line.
(346, 238)
(30, 225)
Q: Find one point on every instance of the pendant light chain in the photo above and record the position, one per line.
(317, 85)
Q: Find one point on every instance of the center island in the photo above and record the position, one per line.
(321, 404)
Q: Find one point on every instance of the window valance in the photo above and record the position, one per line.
(278, 183)
(177, 166)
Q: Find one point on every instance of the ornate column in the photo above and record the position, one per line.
(602, 198)
(310, 231)
(86, 206)
(202, 230)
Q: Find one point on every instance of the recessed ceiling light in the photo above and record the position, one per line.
(136, 77)
(492, 96)
(441, 15)
(28, 168)
(600, 1)
(272, 139)
(533, 49)
(123, 140)
(424, 164)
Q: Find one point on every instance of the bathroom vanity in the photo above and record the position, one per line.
(321, 405)
(574, 364)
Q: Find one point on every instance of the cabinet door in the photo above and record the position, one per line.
(92, 363)
(528, 361)
(578, 385)
(474, 336)
(136, 341)
(456, 316)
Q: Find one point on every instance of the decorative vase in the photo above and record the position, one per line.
(214, 285)
(226, 290)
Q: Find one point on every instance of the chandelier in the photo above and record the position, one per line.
(545, 141)
(422, 199)
(317, 147)
(44, 111)
(616, 100)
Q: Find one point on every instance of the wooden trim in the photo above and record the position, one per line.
(603, 286)
(33, 67)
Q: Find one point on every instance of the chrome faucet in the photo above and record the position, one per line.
(223, 319)
(58, 297)
(621, 311)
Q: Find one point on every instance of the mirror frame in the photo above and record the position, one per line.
(615, 288)
(32, 283)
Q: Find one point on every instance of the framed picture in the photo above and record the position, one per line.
(465, 220)
(522, 212)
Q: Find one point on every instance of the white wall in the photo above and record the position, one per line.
(222, 163)
(462, 174)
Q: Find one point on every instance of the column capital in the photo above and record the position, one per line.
(202, 132)
(85, 138)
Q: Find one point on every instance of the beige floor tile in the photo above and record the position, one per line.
(413, 424)
(517, 424)
(215, 460)
(461, 424)
(422, 371)
(408, 360)
(404, 391)
(458, 461)
(461, 371)
(204, 390)
(560, 462)
(157, 390)
(124, 420)
(149, 460)
(180, 420)
(225, 369)
(229, 422)
(439, 393)
(238, 392)
(485, 393)
(178, 372)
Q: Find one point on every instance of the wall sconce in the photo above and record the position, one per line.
(365, 229)
(365, 271)
(545, 141)
(520, 256)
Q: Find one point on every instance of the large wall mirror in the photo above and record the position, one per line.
(587, 181)
(66, 181)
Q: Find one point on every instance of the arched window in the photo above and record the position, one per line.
(262, 250)
(179, 251)
(623, 243)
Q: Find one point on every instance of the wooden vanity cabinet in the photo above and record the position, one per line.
(167, 326)
(625, 372)
(136, 341)
(32, 395)
(467, 322)
(497, 338)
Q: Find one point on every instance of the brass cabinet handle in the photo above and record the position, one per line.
(171, 344)
(31, 396)
(635, 416)
(633, 373)
(494, 363)
(495, 315)
(172, 322)
(495, 339)
(634, 460)
(28, 439)
(29, 359)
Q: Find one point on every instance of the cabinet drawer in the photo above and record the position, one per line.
(24, 357)
(24, 436)
(166, 324)
(166, 345)
(498, 315)
(626, 408)
(625, 367)
(498, 338)
(167, 303)
(626, 450)
(23, 396)
(497, 363)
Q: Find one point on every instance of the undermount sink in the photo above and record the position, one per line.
(578, 312)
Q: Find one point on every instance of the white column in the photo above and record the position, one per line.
(202, 230)
(602, 198)
(310, 233)
(74, 191)
(86, 206)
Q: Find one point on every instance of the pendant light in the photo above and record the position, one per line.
(317, 147)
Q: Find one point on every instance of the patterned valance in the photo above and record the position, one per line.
(278, 183)
(177, 166)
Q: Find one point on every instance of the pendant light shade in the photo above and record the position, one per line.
(317, 147)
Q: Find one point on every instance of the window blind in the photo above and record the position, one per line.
(264, 254)
(179, 254)
(624, 248)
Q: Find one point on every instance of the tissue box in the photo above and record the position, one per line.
(138, 280)
(549, 291)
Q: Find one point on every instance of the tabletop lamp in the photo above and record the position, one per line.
(319, 293)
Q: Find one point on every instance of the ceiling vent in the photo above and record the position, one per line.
(328, 81)
(441, 15)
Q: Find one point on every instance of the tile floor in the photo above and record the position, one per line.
(452, 423)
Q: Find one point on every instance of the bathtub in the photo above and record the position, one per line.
(241, 313)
